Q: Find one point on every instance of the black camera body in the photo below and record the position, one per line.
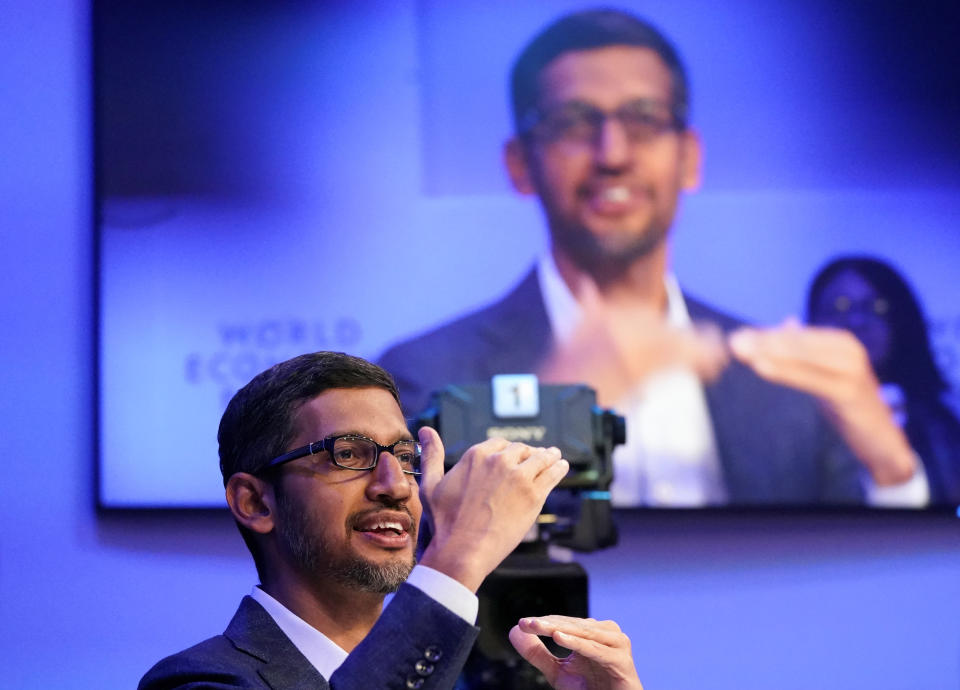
(518, 408)
(577, 513)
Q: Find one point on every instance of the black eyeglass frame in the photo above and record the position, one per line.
(327, 444)
(534, 115)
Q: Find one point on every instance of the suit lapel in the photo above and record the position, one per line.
(518, 332)
(729, 400)
(739, 436)
(254, 632)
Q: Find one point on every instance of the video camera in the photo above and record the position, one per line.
(518, 407)
(577, 514)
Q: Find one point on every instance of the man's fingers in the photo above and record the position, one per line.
(590, 649)
(489, 447)
(551, 476)
(431, 459)
(607, 633)
(795, 373)
(825, 362)
(601, 652)
(430, 479)
(531, 648)
(705, 350)
(537, 460)
(545, 467)
(828, 348)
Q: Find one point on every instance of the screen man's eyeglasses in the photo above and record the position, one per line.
(577, 122)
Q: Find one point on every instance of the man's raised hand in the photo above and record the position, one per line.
(481, 509)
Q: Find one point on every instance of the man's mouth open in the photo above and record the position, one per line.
(391, 530)
(611, 200)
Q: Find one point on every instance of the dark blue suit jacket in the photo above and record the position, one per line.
(775, 445)
(415, 639)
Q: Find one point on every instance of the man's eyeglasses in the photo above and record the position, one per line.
(581, 123)
(352, 452)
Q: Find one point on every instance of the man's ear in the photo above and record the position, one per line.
(518, 166)
(692, 160)
(251, 501)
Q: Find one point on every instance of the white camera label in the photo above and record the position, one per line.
(516, 395)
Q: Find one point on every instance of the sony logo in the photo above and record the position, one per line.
(517, 433)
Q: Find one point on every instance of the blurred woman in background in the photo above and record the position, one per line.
(869, 298)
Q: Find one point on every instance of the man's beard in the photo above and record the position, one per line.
(604, 259)
(318, 561)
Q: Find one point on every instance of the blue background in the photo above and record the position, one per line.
(88, 600)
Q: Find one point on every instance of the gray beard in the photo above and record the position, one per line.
(603, 263)
(314, 558)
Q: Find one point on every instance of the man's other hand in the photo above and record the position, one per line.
(832, 365)
(618, 344)
(600, 657)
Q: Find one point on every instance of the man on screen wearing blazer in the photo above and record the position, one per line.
(716, 415)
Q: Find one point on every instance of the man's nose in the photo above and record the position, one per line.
(612, 148)
(388, 479)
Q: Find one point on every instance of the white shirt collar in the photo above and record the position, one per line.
(564, 312)
(325, 655)
(320, 650)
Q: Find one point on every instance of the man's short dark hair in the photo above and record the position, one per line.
(587, 30)
(258, 423)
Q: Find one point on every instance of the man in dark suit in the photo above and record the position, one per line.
(320, 474)
(600, 102)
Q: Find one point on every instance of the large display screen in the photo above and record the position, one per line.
(274, 178)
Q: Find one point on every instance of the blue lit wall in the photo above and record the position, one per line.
(720, 601)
